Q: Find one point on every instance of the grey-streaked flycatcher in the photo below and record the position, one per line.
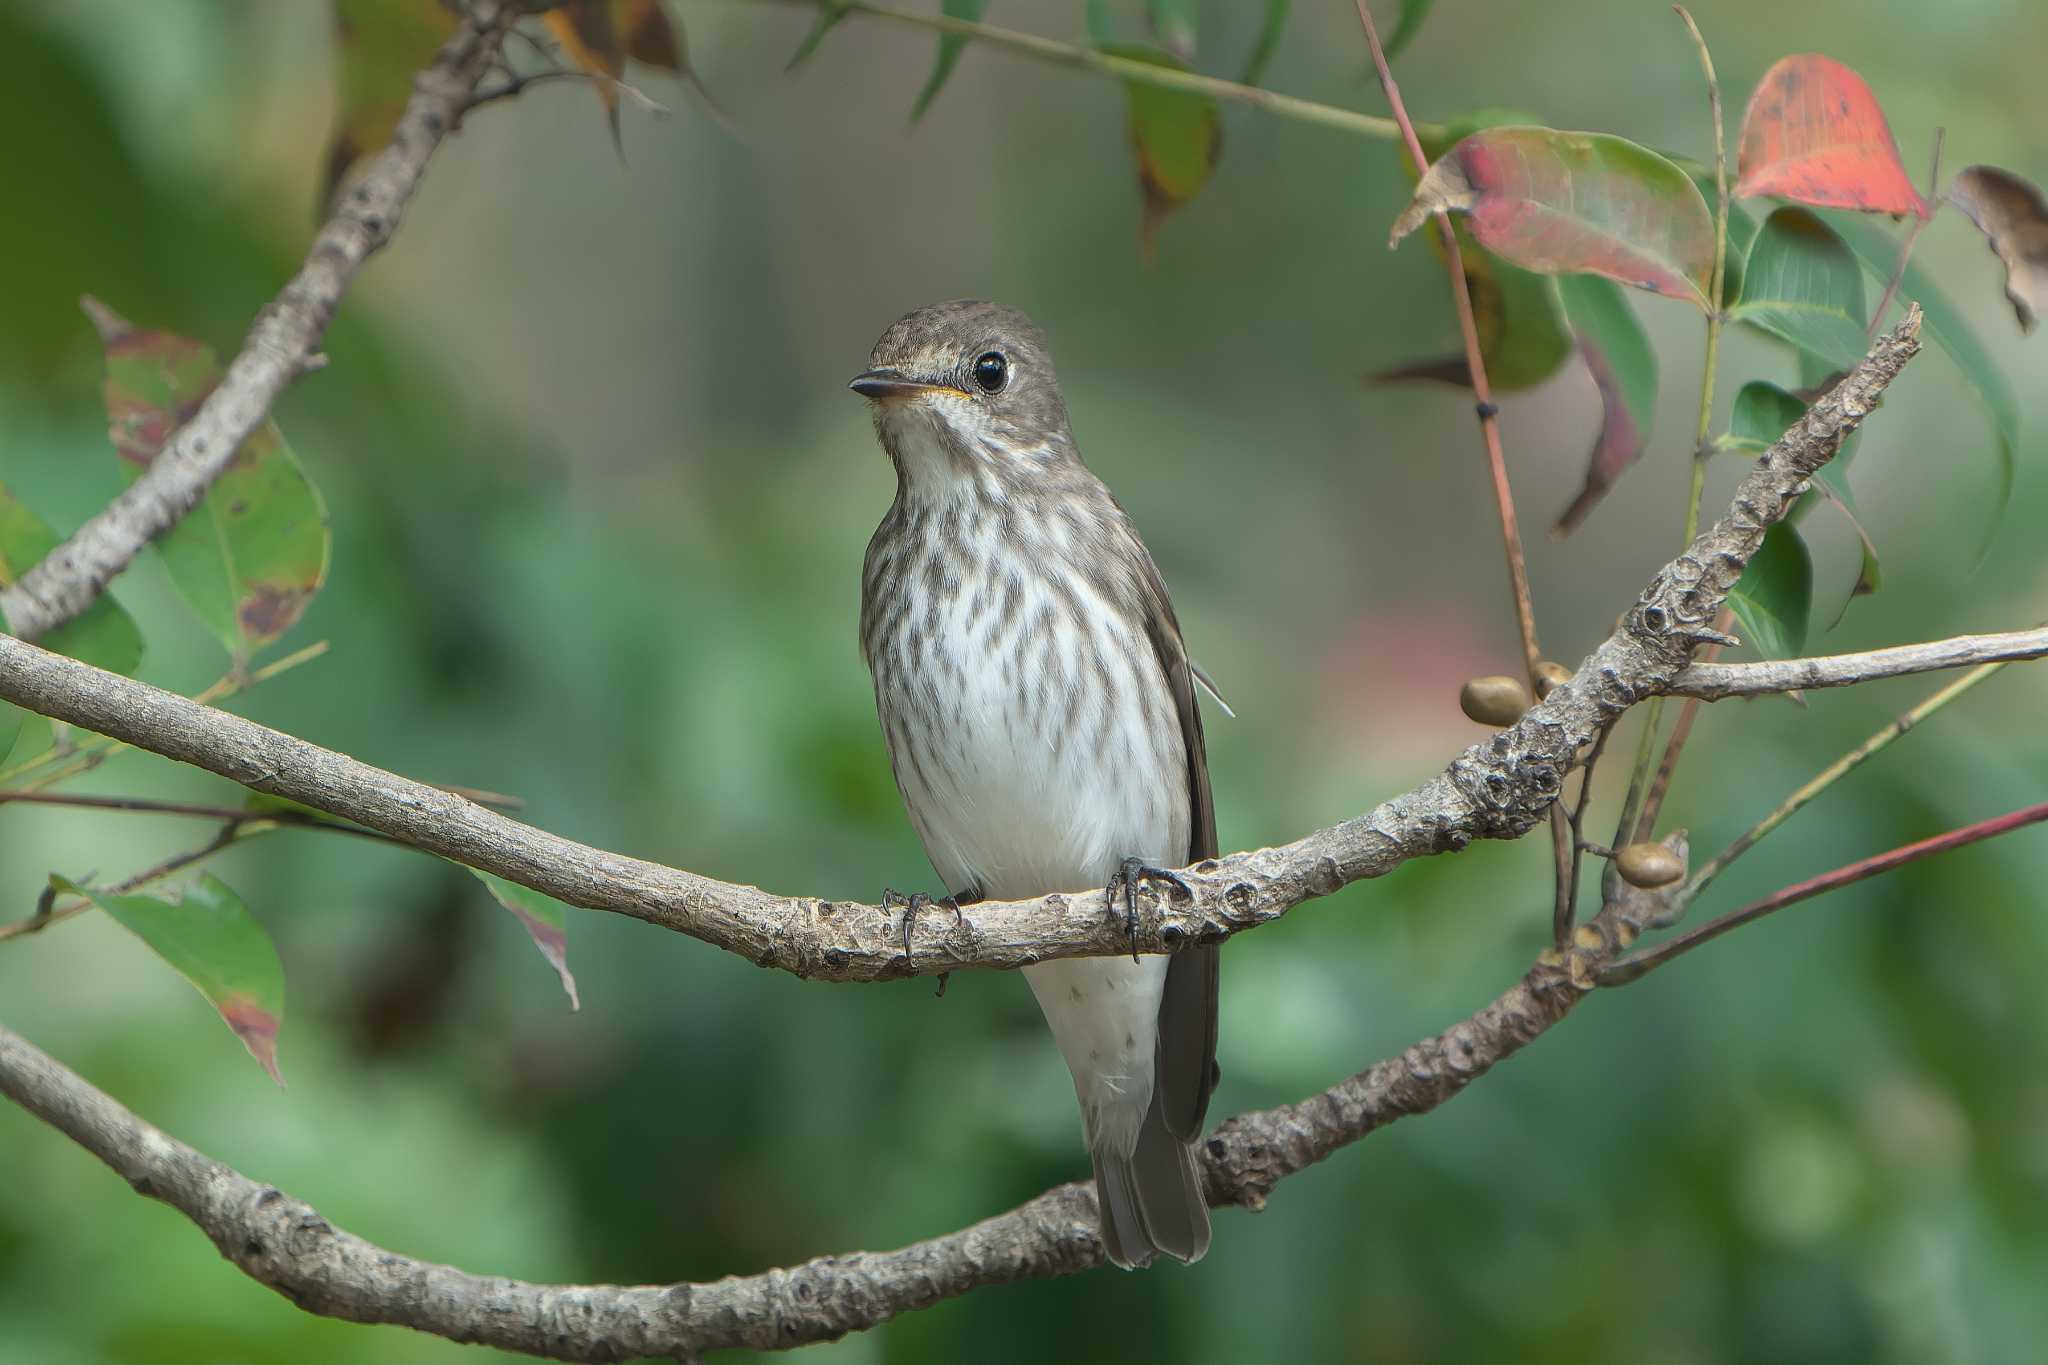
(1040, 713)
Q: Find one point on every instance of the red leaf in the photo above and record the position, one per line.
(1814, 133)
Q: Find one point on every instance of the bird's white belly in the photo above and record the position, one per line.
(1038, 748)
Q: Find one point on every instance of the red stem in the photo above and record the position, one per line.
(1489, 422)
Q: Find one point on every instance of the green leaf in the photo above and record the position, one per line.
(950, 45)
(1618, 355)
(103, 635)
(1762, 413)
(545, 918)
(829, 18)
(213, 941)
(1559, 203)
(1801, 282)
(1269, 41)
(1413, 12)
(1946, 325)
(1173, 24)
(1774, 597)
(250, 557)
(1178, 137)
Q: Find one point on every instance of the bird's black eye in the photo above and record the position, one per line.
(991, 371)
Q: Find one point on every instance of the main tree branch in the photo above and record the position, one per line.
(287, 1245)
(281, 345)
(1498, 789)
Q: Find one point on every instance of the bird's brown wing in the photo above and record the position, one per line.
(1186, 1069)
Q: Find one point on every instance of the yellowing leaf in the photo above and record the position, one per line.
(1178, 137)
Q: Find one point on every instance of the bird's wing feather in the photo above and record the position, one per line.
(1187, 1011)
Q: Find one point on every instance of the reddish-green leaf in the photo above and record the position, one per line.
(950, 46)
(382, 45)
(1814, 133)
(1801, 282)
(1773, 600)
(1522, 334)
(2013, 217)
(1561, 203)
(103, 635)
(213, 941)
(1178, 138)
(545, 918)
(1624, 369)
(250, 557)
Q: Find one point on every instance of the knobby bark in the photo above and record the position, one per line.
(282, 344)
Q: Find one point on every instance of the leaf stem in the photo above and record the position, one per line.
(1634, 966)
(1654, 718)
(1124, 69)
(45, 915)
(233, 815)
(1920, 222)
(1489, 415)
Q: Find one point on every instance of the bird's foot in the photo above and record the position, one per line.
(1128, 875)
(912, 904)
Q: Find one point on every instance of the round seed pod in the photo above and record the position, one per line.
(1648, 865)
(1549, 674)
(1496, 701)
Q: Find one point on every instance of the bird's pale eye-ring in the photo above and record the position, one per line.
(991, 371)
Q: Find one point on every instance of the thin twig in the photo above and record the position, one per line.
(1124, 69)
(1634, 966)
(141, 805)
(1580, 847)
(1920, 222)
(1713, 682)
(1475, 362)
(1834, 773)
(1642, 818)
(45, 915)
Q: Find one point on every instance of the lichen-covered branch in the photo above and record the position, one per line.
(1498, 789)
(281, 345)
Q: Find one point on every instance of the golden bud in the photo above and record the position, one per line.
(1648, 865)
(1496, 701)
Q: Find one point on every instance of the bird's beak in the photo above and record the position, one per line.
(883, 384)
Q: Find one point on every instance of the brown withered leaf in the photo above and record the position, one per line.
(599, 36)
(2011, 214)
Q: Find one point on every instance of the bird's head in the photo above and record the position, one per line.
(965, 391)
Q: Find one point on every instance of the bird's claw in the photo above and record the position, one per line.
(1128, 874)
(912, 904)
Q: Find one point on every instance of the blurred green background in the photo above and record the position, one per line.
(599, 499)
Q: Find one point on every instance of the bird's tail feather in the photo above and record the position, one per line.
(1151, 1198)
